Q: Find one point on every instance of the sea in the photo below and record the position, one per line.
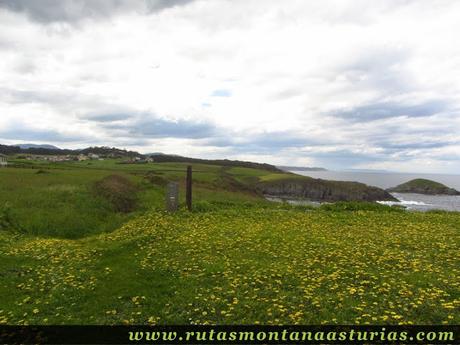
(415, 202)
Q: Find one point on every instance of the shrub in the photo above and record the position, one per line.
(119, 191)
(153, 178)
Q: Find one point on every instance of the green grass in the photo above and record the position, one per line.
(68, 256)
(56, 203)
(59, 199)
(359, 206)
(238, 264)
(424, 183)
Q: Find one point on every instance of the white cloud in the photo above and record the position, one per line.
(370, 84)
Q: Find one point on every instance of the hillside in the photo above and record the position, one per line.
(52, 150)
(164, 158)
(423, 186)
(38, 146)
(113, 152)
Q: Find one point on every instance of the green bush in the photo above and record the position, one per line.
(154, 178)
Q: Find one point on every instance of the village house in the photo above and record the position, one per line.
(82, 157)
(49, 158)
(3, 161)
(146, 160)
(137, 160)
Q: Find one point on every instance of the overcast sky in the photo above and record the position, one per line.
(339, 84)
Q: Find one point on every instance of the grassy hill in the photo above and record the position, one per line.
(70, 255)
(424, 186)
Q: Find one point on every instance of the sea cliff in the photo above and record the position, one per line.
(323, 190)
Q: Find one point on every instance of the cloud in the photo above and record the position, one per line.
(19, 96)
(344, 158)
(25, 133)
(339, 83)
(49, 11)
(383, 110)
(152, 126)
(419, 144)
(107, 117)
(262, 143)
(288, 93)
(160, 128)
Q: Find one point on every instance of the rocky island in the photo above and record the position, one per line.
(423, 186)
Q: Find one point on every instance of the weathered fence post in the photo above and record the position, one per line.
(172, 196)
(188, 195)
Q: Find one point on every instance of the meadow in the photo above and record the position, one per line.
(236, 259)
(60, 199)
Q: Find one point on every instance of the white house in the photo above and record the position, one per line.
(3, 161)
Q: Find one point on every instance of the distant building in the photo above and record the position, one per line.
(3, 161)
(137, 160)
(93, 156)
(82, 157)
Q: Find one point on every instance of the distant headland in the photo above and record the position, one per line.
(293, 168)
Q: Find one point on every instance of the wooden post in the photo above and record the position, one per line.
(172, 197)
(188, 195)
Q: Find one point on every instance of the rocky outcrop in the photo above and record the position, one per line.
(423, 186)
(323, 190)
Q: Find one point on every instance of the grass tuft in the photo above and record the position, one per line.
(359, 206)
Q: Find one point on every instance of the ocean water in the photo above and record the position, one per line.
(417, 202)
(421, 202)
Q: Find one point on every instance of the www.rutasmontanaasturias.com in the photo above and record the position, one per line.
(291, 336)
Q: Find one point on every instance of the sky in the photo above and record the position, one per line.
(339, 84)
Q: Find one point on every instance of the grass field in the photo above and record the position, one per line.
(59, 199)
(235, 259)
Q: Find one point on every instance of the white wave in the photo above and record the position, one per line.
(404, 203)
(412, 202)
(389, 203)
